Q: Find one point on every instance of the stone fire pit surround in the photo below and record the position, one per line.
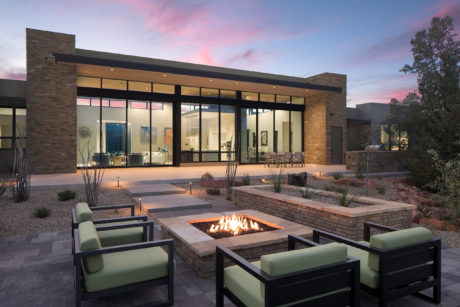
(339, 220)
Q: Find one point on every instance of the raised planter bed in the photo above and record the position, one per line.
(217, 183)
(340, 220)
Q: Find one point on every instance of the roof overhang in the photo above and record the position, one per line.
(109, 65)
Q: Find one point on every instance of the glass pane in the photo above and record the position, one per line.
(88, 135)
(227, 94)
(89, 82)
(114, 84)
(6, 143)
(210, 92)
(283, 99)
(267, 97)
(138, 134)
(210, 131)
(115, 132)
(163, 88)
(190, 91)
(248, 135)
(250, 96)
(296, 124)
(227, 131)
(265, 137)
(162, 133)
(298, 100)
(190, 134)
(6, 122)
(83, 101)
(385, 136)
(139, 86)
(281, 131)
(20, 122)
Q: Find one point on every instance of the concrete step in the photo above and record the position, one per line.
(172, 202)
(137, 190)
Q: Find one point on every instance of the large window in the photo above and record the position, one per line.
(88, 132)
(392, 138)
(140, 133)
(248, 135)
(265, 133)
(210, 132)
(296, 131)
(227, 132)
(162, 133)
(282, 131)
(190, 134)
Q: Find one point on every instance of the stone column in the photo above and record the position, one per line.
(321, 112)
(51, 103)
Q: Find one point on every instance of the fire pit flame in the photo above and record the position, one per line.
(234, 225)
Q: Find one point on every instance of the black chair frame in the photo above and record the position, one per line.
(421, 263)
(81, 294)
(297, 285)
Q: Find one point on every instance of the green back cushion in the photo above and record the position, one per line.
(302, 259)
(90, 241)
(396, 239)
(83, 212)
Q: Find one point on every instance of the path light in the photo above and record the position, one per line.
(118, 182)
(190, 187)
(140, 204)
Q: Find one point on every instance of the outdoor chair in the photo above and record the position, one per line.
(269, 158)
(297, 158)
(287, 158)
(116, 231)
(317, 276)
(104, 271)
(396, 263)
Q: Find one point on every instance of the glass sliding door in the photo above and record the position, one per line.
(227, 132)
(297, 126)
(248, 135)
(116, 134)
(265, 133)
(209, 132)
(162, 133)
(281, 131)
(88, 132)
(139, 123)
(190, 132)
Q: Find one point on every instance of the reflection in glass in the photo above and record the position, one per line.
(20, 122)
(210, 132)
(6, 122)
(190, 132)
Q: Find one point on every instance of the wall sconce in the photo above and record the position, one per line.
(140, 204)
(190, 187)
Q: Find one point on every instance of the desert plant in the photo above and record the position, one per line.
(213, 191)
(337, 175)
(381, 189)
(92, 175)
(332, 188)
(230, 172)
(66, 195)
(306, 192)
(345, 200)
(277, 181)
(246, 180)
(42, 212)
(207, 175)
(20, 181)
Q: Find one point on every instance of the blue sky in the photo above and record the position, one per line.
(366, 40)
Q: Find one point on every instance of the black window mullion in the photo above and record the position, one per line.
(219, 155)
(13, 145)
(199, 135)
(290, 132)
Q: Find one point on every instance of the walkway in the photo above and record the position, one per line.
(176, 174)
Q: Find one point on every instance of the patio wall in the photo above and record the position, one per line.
(339, 220)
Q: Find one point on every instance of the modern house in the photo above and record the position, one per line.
(134, 111)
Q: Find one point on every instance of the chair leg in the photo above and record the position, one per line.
(437, 294)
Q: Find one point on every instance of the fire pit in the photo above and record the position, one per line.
(197, 245)
(229, 226)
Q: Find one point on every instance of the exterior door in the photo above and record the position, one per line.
(336, 145)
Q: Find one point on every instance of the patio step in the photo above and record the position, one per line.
(172, 202)
(138, 190)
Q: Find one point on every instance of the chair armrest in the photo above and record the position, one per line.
(293, 239)
(369, 225)
(222, 251)
(115, 207)
(122, 248)
(147, 226)
(122, 219)
(320, 233)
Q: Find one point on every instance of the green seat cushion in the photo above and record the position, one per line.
(128, 267)
(367, 276)
(396, 239)
(120, 236)
(89, 241)
(245, 286)
(83, 212)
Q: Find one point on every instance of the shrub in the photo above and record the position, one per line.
(42, 212)
(337, 176)
(307, 192)
(359, 175)
(277, 181)
(381, 189)
(346, 201)
(2, 189)
(66, 195)
(213, 191)
(207, 175)
(246, 180)
(332, 188)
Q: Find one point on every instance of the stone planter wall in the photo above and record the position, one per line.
(339, 220)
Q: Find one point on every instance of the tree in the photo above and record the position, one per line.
(431, 117)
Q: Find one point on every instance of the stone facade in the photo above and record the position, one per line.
(51, 103)
(348, 222)
(379, 161)
(321, 112)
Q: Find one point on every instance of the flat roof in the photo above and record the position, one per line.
(106, 59)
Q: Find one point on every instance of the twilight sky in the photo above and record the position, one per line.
(366, 40)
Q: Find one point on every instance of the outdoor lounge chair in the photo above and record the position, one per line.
(297, 158)
(104, 271)
(396, 263)
(319, 275)
(116, 231)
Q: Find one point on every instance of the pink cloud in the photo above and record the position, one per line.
(15, 74)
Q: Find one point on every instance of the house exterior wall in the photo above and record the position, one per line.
(321, 112)
(51, 109)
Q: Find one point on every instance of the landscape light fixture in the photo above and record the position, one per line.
(190, 187)
(140, 204)
(118, 182)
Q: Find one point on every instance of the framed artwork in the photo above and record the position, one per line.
(145, 134)
(264, 137)
(168, 136)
